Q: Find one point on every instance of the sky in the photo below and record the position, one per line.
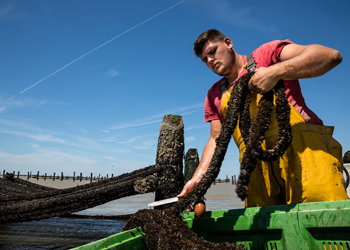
(85, 84)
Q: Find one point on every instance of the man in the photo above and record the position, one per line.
(311, 168)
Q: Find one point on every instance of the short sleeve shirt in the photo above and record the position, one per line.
(266, 55)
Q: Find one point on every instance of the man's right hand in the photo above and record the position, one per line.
(189, 185)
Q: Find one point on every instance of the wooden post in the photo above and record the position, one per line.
(232, 180)
(235, 180)
(74, 176)
(112, 176)
(3, 176)
(45, 176)
(61, 176)
(170, 152)
(107, 176)
(28, 176)
(18, 175)
(54, 176)
(81, 176)
(191, 163)
(37, 176)
(91, 178)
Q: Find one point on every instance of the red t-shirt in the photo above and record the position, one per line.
(266, 55)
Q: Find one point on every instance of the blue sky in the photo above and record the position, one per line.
(85, 84)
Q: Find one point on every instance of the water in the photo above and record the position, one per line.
(66, 233)
(56, 233)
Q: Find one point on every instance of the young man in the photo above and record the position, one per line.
(311, 168)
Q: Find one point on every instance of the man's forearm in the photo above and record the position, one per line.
(205, 160)
(313, 61)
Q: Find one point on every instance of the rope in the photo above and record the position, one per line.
(23, 201)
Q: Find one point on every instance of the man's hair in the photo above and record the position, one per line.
(211, 35)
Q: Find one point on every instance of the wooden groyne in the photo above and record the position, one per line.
(74, 177)
(92, 178)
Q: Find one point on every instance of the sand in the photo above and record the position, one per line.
(57, 183)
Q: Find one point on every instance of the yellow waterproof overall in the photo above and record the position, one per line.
(310, 170)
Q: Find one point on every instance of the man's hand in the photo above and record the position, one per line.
(189, 185)
(263, 80)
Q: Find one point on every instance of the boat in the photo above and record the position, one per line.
(314, 225)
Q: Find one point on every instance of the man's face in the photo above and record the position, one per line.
(219, 57)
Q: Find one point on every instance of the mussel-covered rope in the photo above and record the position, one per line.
(253, 135)
(16, 204)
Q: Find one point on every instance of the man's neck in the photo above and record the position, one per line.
(238, 68)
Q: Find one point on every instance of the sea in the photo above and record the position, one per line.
(66, 233)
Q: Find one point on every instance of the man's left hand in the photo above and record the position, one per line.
(263, 80)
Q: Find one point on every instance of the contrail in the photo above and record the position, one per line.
(96, 49)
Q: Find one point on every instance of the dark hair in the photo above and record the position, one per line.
(211, 35)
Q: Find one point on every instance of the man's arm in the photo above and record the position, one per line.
(297, 62)
(215, 129)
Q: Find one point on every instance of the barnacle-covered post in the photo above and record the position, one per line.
(170, 152)
(191, 163)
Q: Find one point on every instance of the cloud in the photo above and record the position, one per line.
(229, 12)
(37, 137)
(111, 73)
(135, 138)
(8, 12)
(45, 161)
(186, 110)
(134, 124)
(25, 129)
(20, 103)
(190, 139)
(196, 127)
(110, 158)
(109, 139)
(24, 124)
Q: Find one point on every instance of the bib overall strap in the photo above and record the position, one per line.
(250, 66)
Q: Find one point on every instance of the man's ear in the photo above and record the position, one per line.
(228, 42)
